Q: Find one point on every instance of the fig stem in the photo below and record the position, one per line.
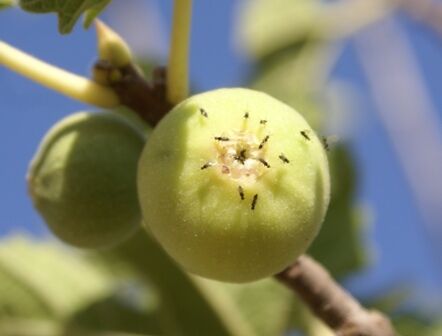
(178, 66)
(65, 82)
(330, 302)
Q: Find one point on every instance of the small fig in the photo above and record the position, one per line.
(82, 179)
(241, 184)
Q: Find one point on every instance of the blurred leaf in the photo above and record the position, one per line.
(267, 26)
(18, 327)
(6, 4)
(117, 314)
(413, 325)
(187, 307)
(18, 299)
(21, 327)
(93, 12)
(44, 279)
(309, 323)
(297, 75)
(68, 11)
(339, 246)
(389, 300)
(394, 300)
(265, 304)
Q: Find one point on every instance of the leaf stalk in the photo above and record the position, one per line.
(178, 67)
(57, 79)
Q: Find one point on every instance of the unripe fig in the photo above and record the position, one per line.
(241, 184)
(82, 179)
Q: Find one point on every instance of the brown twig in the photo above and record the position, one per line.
(147, 99)
(331, 303)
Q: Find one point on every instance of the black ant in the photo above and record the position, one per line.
(255, 199)
(241, 192)
(305, 135)
(283, 158)
(263, 142)
(207, 165)
(264, 162)
(204, 113)
(221, 138)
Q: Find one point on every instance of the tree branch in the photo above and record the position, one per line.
(331, 303)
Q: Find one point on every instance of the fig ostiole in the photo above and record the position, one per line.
(82, 179)
(234, 184)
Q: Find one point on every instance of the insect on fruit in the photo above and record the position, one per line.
(255, 210)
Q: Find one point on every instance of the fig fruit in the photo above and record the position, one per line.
(82, 179)
(234, 184)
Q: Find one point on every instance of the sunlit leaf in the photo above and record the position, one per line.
(6, 4)
(266, 26)
(297, 75)
(45, 276)
(412, 325)
(94, 11)
(19, 327)
(117, 313)
(187, 307)
(265, 304)
(68, 11)
(18, 299)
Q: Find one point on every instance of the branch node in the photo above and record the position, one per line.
(147, 99)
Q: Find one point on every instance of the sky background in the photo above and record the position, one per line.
(402, 251)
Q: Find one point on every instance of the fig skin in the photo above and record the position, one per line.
(82, 180)
(223, 213)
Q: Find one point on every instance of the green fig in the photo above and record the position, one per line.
(82, 179)
(234, 184)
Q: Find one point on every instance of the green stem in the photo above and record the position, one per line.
(67, 83)
(178, 68)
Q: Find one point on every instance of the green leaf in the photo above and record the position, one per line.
(119, 313)
(68, 11)
(339, 246)
(266, 26)
(6, 4)
(19, 327)
(42, 279)
(412, 325)
(297, 76)
(29, 327)
(18, 299)
(93, 12)
(266, 305)
(188, 306)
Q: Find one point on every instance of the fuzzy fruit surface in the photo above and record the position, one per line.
(234, 184)
(82, 179)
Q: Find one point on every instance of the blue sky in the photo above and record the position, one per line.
(401, 248)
